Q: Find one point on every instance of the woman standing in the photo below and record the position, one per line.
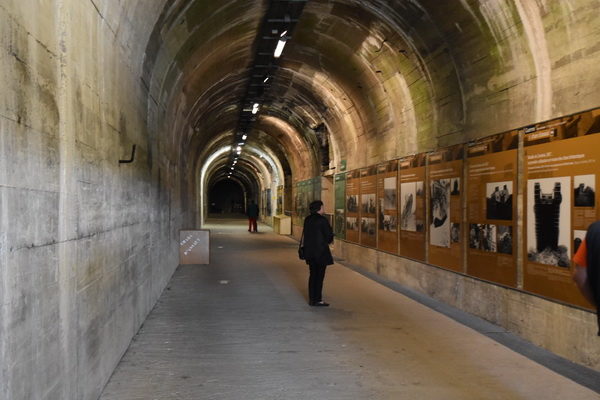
(317, 237)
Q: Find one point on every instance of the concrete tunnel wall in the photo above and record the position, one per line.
(86, 243)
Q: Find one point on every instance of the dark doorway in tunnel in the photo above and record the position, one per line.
(226, 197)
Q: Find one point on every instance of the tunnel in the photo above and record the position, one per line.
(431, 132)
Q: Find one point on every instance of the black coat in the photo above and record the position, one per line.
(252, 211)
(592, 241)
(317, 237)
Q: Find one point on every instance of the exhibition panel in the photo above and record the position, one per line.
(339, 220)
(492, 208)
(445, 170)
(368, 206)
(544, 198)
(387, 206)
(411, 177)
(352, 205)
(562, 158)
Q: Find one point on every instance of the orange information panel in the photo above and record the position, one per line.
(387, 198)
(492, 208)
(352, 193)
(445, 207)
(562, 161)
(368, 206)
(411, 179)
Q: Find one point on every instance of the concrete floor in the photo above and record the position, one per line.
(240, 328)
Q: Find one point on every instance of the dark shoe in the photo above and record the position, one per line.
(320, 304)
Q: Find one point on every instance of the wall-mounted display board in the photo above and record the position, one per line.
(562, 162)
(339, 220)
(317, 187)
(444, 183)
(352, 205)
(411, 219)
(368, 206)
(268, 207)
(306, 192)
(263, 203)
(387, 206)
(492, 208)
(279, 200)
(301, 204)
(194, 247)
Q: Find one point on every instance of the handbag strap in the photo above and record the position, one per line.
(302, 239)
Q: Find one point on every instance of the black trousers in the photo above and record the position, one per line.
(315, 282)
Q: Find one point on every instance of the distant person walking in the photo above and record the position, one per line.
(317, 236)
(587, 267)
(252, 213)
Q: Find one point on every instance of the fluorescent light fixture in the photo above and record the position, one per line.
(244, 137)
(241, 143)
(266, 79)
(239, 151)
(255, 108)
(239, 148)
(283, 34)
(279, 48)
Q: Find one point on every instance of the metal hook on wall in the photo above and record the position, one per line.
(132, 157)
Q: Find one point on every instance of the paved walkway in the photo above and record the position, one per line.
(240, 329)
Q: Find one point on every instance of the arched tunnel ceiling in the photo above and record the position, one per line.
(409, 74)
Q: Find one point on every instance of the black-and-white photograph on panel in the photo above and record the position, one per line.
(504, 241)
(408, 206)
(351, 223)
(578, 237)
(389, 191)
(455, 232)
(499, 199)
(420, 225)
(339, 221)
(440, 213)
(549, 221)
(483, 237)
(455, 187)
(584, 190)
(368, 203)
(367, 225)
(352, 203)
(389, 223)
(420, 191)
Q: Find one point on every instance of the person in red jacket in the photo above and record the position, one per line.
(252, 213)
(587, 267)
(317, 236)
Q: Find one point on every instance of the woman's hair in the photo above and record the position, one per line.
(315, 206)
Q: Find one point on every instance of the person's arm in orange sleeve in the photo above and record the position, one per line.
(580, 276)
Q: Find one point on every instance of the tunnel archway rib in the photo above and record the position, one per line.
(421, 74)
(262, 170)
(201, 87)
(313, 67)
(393, 77)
